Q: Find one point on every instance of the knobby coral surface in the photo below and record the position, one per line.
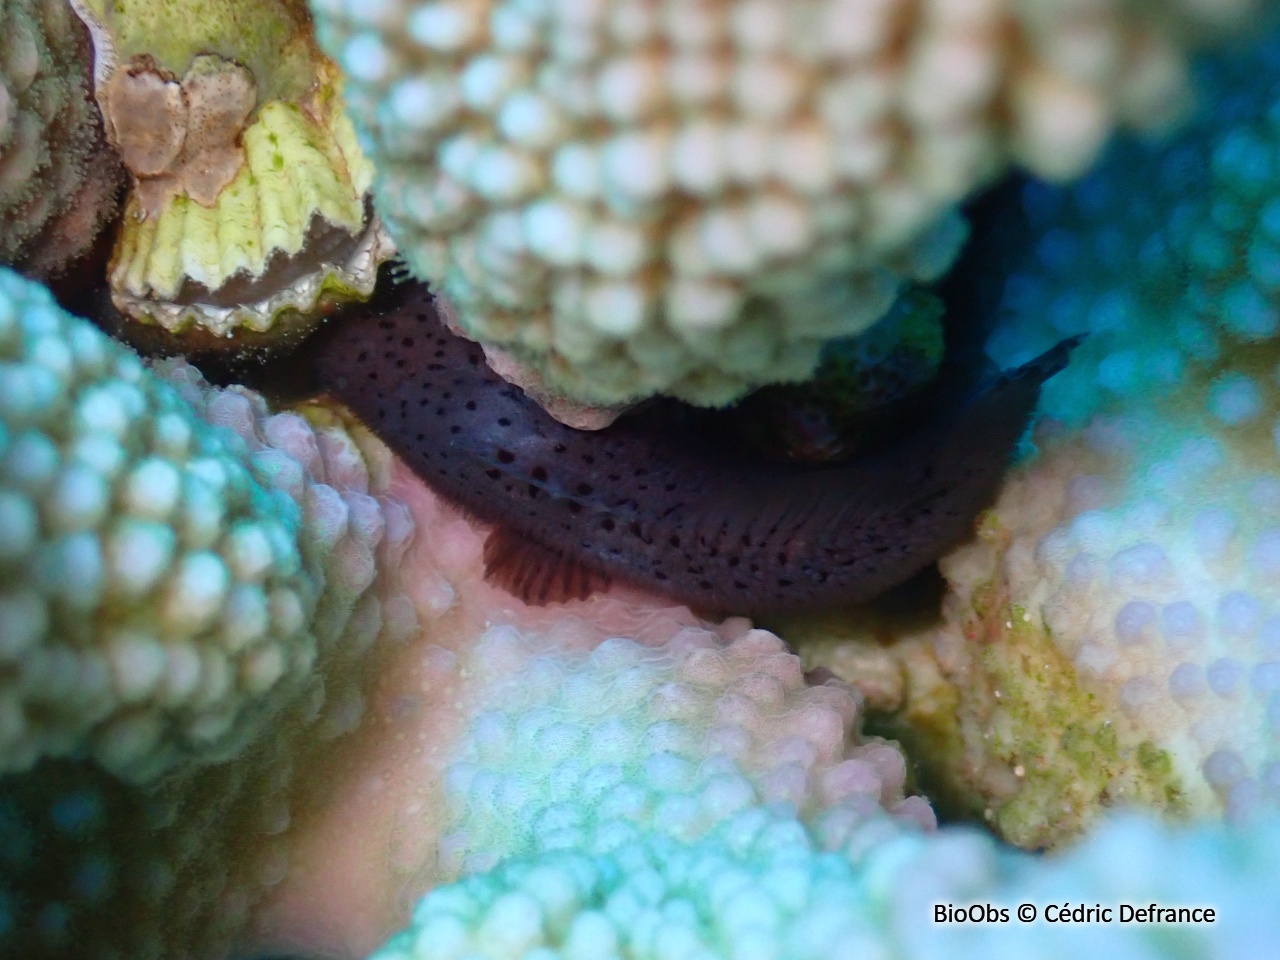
(192, 588)
(608, 778)
(257, 698)
(171, 865)
(690, 197)
(771, 891)
(605, 777)
(1114, 634)
(59, 182)
(175, 558)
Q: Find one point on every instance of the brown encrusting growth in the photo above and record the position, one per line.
(180, 136)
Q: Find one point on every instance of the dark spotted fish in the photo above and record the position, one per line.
(718, 531)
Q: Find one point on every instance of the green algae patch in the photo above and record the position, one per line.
(1070, 755)
(991, 714)
(272, 38)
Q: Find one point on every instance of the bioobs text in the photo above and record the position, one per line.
(974, 913)
(1124, 913)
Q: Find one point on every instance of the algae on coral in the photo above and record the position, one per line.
(992, 712)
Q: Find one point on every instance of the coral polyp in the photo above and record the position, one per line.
(770, 891)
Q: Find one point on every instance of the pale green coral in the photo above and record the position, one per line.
(589, 750)
(992, 713)
(1070, 755)
(174, 557)
(58, 180)
(1111, 638)
(692, 198)
(657, 802)
(193, 592)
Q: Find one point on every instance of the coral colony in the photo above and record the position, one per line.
(639, 479)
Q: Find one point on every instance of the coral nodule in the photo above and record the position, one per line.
(267, 689)
(174, 558)
(249, 209)
(692, 197)
(609, 777)
(59, 182)
(1112, 636)
(764, 887)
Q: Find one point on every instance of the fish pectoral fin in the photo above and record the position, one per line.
(536, 574)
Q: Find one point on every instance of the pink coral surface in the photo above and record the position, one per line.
(379, 825)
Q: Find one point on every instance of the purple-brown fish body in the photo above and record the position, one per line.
(575, 509)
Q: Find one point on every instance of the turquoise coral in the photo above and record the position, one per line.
(774, 891)
(192, 588)
(630, 771)
(695, 800)
(175, 558)
(1151, 561)
(1165, 253)
(627, 741)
